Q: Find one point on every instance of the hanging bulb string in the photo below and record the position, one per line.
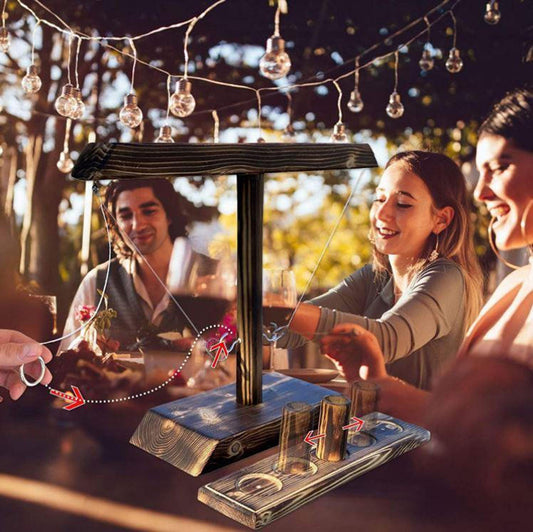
(76, 63)
(426, 20)
(276, 21)
(169, 96)
(454, 28)
(70, 37)
(132, 44)
(259, 110)
(216, 126)
(67, 135)
(339, 100)
(397, 59)
(4, 14)
(289, 105)
(33, 42)
(234, 85)
(356, 74)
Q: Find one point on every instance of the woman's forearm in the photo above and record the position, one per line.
(305, 320)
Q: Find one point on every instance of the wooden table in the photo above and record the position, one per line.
(56, 475)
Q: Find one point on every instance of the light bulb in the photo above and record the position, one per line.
(339, 133)
(165, 135)
(492, 13)
(454, 63)
(275, 63)
(66, 101)
(79, 108)
(182, 102)
(5, 40)
(130, 115)
(288, 135)
(31, 82)
(395, 108)
(65, 164)
(426, 61)
(355, 103)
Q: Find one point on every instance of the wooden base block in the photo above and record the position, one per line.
(259, 494)
(209, 430)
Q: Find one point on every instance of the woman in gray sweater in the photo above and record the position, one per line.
(423, 288)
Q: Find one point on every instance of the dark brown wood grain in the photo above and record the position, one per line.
(259, 494)
(205, 431)
(129, 160)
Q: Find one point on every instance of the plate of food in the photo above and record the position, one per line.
(312, 375)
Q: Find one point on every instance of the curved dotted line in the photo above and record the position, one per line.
(162, 385)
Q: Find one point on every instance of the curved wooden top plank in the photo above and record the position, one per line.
(128, 160)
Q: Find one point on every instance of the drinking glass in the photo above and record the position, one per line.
(279, 301)
(205, 289)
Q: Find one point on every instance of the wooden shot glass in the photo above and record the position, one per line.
(294, 452)
(334, 415)
(364, 396)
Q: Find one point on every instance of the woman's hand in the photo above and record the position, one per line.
(17, 349)
(350, 347)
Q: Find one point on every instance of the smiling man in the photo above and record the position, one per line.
(145, 216)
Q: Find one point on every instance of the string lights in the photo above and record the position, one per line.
(454, 63)
(395, 107)
(5, 39)
(289, 135)
(276, 63)
(492, 13)
(355, 103)
(427, 62)
(339, 130)
(182, 103)
(31, 82)
(65, 163)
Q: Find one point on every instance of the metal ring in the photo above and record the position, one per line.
(39, 378)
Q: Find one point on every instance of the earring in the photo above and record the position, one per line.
(495, 249)
(371, 238)
(434, 255)
(523, 227)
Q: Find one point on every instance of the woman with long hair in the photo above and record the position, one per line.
(504, 327)
(424, 285)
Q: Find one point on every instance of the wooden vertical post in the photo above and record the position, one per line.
(250, 287)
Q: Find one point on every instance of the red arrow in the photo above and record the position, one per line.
(74, 401)
(310, 439)
(222, 351)
(358, 425)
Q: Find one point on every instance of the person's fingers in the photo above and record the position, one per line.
(11, 381)
(10, 336)
(14, 354)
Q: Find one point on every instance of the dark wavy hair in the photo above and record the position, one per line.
(447, 187)
(173, 203)
(512, 118)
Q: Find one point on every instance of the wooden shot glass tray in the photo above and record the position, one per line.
(259, 494)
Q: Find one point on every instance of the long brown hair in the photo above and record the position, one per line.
(447, 187)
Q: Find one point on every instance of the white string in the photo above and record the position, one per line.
(356, 74)
(276, 21)
(396, 59)
(326, 245)
(67, 135)
(169, 82)
(33, 42)
(4, 14)
(339, 101)
(104, 287)
(216, 126)
(454, 29)
(259, 110)
(70, 37)
(134, 64)
(77, 58)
